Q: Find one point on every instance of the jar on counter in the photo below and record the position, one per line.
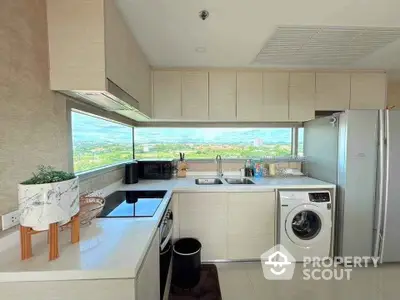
(272, 169)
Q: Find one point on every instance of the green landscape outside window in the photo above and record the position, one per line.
(206, 143)
(99, 142)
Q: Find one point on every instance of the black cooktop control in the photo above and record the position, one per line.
(319, 197)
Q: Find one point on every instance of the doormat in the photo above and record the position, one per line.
(207, 288)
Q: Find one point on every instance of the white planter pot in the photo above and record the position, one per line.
(43, 204)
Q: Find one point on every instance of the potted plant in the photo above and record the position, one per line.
(50, 196)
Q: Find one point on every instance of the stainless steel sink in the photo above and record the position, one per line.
(238, 181)
(208, 181)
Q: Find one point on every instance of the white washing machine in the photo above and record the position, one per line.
(305, 223)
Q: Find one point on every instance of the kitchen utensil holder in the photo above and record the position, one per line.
(181, 174)
(182, 169)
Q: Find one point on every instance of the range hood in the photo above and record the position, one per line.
(112, 99)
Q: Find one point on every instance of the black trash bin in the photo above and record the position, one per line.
(186, 263)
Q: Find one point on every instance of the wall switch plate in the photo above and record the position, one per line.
(10, 220)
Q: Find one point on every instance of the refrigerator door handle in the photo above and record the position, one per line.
(381, 167)
(386, 186)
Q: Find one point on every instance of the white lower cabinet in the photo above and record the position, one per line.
(99, 289)
(204, 216)
(148, 279)
(251, 224)
(229, 225)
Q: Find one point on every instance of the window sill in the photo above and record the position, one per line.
(99, 171)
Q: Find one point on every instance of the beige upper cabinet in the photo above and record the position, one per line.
(368, 91)
(250, 96)
(256, 96)
(332, 91)
(222, 95)
(167, 95)
(276, 96)
(393, 94)
(195, 96)
(76, 49)
(92, 46)
(301, 96)
(126, 64)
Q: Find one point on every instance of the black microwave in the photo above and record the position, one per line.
(156, 168)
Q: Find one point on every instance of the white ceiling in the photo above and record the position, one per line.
(169, 31)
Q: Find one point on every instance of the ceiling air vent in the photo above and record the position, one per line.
(324, 45)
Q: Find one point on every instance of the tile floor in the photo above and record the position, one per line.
(246, 281)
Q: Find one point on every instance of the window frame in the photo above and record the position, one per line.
(73, 106)
(297, 142)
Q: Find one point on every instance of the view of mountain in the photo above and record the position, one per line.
(89, 129)
(98, 142)
(231, 136)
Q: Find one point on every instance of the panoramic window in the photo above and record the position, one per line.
(99, 142)
(206, 143)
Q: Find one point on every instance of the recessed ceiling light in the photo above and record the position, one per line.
(201, 49)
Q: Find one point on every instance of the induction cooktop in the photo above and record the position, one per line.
(132, 204)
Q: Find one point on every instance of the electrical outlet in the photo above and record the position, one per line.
(10, 220)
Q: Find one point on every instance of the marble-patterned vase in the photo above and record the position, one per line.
(43, 204)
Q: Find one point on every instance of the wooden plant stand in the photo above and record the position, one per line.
(52, 238)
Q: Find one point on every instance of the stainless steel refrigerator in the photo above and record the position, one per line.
(359, 151)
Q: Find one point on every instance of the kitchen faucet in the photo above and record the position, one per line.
(218, 158)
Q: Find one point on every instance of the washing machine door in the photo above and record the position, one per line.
(307, 224)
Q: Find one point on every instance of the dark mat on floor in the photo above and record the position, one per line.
(207, 288)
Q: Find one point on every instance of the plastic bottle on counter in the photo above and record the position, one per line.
(248, 171)
(258, 170)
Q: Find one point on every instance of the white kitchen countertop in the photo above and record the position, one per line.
(180, 185)
(115, 247)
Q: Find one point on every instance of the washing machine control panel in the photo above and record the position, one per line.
(319, 197)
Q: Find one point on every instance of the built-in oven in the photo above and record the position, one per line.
(165, 231)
